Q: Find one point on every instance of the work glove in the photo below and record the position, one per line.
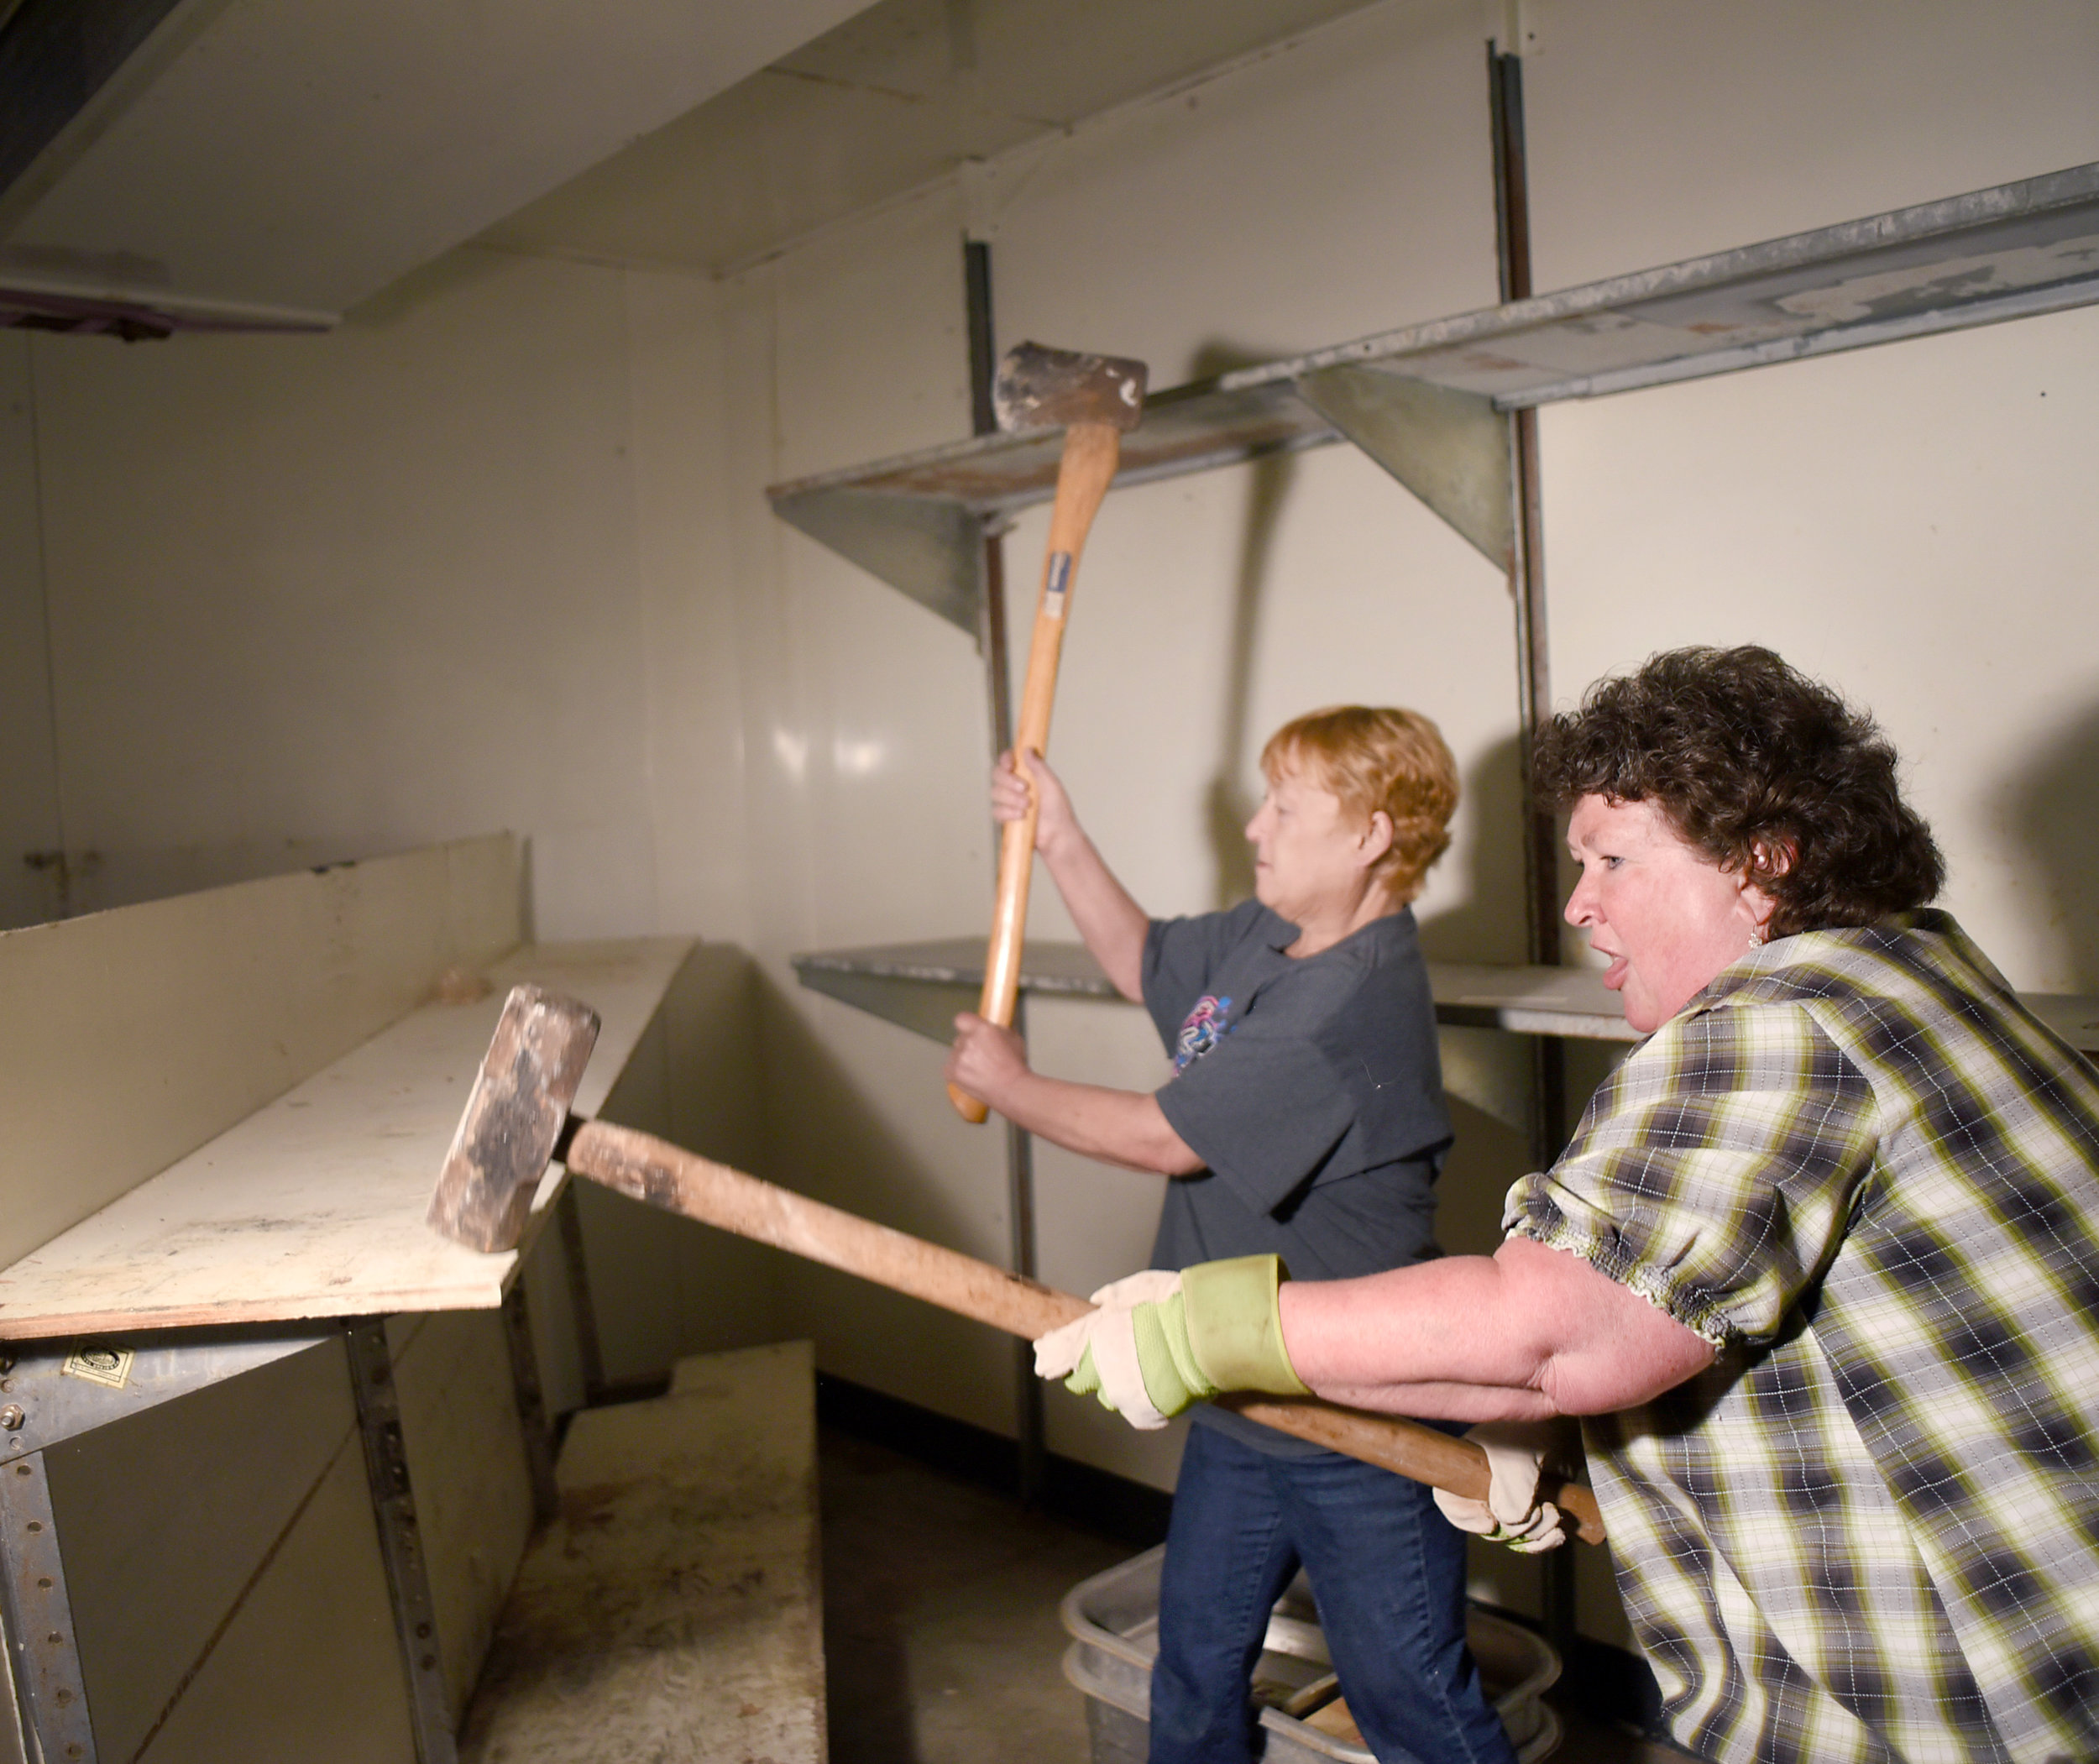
(1159, 1341)
(1512, 1513)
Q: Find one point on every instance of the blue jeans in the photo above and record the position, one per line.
(1387, 1571)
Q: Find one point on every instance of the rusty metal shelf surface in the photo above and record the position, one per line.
(1574, 1002)
(2009, 252)
(1045, 966)
(1186, 429)
(921, 986)
(1528, 1000)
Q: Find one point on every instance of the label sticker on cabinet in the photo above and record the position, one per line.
(99, 1365)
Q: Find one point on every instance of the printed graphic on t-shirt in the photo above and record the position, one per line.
(1201, 1030)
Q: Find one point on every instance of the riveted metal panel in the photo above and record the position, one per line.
(401, 1540)
(46, 1652)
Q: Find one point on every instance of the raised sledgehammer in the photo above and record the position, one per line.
(1095, 399)
(517, 1123)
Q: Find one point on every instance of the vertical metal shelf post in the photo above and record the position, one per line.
(535, 1431)
(575, 1261)
(49, 1689)
(400, 1538)
(1534, 698)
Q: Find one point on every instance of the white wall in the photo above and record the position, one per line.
(1914, 524)
(865, 740)
(497, 554)
(355, 593)
(1339, 187)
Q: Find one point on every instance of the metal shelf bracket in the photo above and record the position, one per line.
(1451, 449)
(930, 548)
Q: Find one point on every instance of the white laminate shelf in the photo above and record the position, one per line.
(897, 982)
(312, 1207)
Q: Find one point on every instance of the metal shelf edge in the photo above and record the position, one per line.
(1895, 294)
(909, 985)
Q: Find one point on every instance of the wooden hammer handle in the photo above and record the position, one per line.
(662, 1174)
(1091, 451)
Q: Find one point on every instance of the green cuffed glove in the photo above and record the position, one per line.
(1160, 1341)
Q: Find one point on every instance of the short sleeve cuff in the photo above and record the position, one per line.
(1533, 1214)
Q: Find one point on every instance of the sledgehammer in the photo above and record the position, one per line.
(517, 1123)
(1095, 399)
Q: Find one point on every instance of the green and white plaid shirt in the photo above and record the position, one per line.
(1870, 1530)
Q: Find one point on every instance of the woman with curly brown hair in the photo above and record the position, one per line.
(1819, 1268)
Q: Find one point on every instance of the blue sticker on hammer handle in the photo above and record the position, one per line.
(1059, 580)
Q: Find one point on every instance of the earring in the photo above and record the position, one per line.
(1758, 935)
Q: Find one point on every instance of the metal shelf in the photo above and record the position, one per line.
(921, 985)
(1432, 404)
(1429, 402)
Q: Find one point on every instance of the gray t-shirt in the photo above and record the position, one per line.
(1310, 1088)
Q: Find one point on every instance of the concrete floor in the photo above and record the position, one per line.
(940, 1632)
(941, 1641)
(670, 1609)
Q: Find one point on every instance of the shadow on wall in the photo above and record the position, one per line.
(828, 1136)
(2054, 811)
(663, 1287)
(1487, 924)
(1226, 808)
(1486, 1074)
(1485, 1157)
(823, 1134)
(453, 275)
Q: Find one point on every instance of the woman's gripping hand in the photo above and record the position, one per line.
(1011, 779)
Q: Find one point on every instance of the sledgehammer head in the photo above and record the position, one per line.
(1037, 388)
(514, 1118)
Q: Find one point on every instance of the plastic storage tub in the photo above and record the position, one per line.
(1113, 1621)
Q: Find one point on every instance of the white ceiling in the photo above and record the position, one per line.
(294, 156)
(287, 158)
(886, 102)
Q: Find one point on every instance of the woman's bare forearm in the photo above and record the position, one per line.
(1525, 1332)
(1127, 1128)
